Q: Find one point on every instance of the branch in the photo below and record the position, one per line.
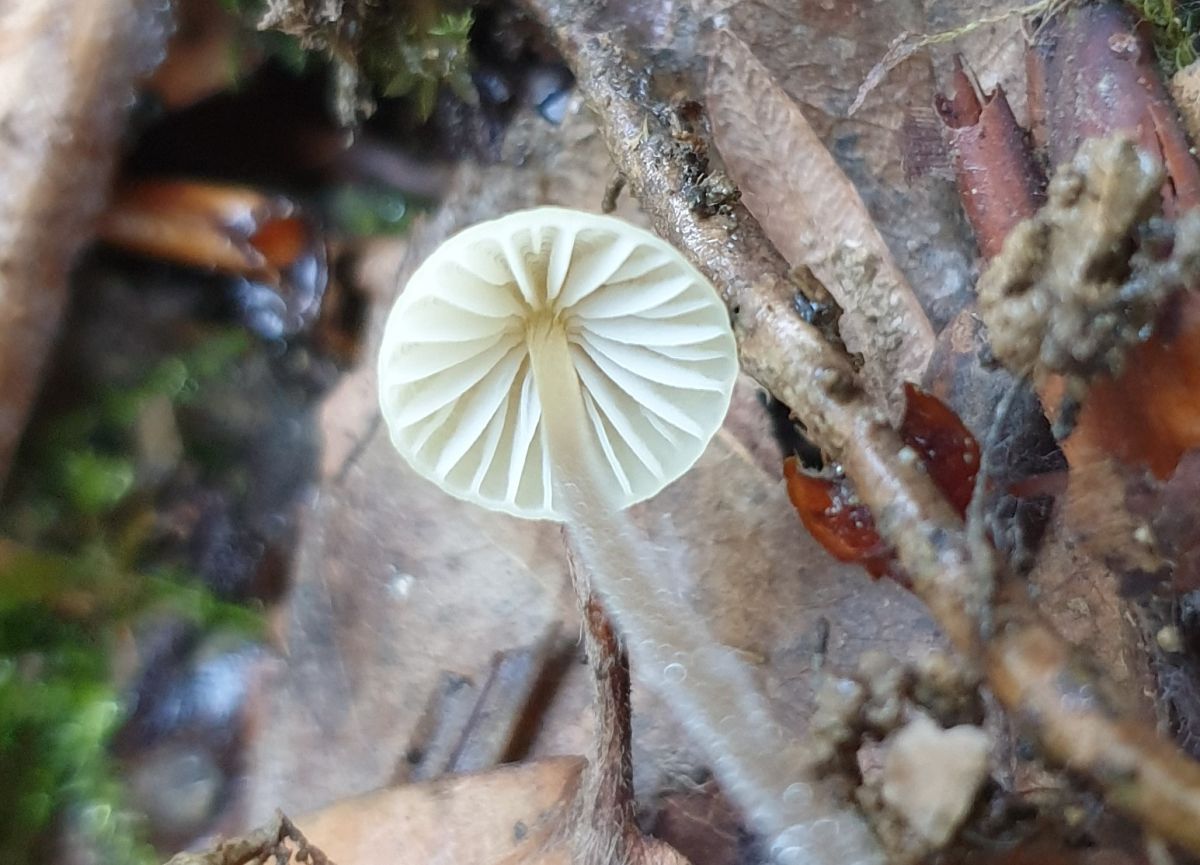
(785, 354)
(1057, 701)
(792, 360)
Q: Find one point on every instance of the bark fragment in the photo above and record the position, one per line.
(1093, 73)
(67, 73)
(998, 180)
(604, 828)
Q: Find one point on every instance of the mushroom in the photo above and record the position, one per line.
(561, 365)
(551, 307)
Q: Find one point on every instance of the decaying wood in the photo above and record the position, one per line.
(67, 72)
(512, 815)
(791, 359)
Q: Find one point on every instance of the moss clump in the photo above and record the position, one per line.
(408, 49)
(72, 533)
(413, 59)
(1175, 30)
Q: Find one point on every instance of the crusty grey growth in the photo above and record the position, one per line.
(1080, 283)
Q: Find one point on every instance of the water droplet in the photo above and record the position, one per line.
(790, 856)
(825, 830)
(400, 584)
(798, 794)
(675, 673)
(789, 847)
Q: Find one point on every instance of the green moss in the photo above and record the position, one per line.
(71, 540)
(399, 50)
(1175, 30)
(413, 59)
(365, 211)
(57, 713)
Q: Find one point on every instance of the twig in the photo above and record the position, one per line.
(507, 703)
(1058, 701)
(606, 829)
(1028, 662)
(778, 348)
(998, 179)
(612, 192)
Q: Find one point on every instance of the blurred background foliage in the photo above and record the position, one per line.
(74, 536)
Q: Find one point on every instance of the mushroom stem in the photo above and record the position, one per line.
(564, 420)
(710, 687)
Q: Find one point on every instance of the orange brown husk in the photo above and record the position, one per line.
(845, 527)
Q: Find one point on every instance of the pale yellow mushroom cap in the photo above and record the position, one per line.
(649, 339)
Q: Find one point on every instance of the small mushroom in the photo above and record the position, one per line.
(606, 323)
(561, 365)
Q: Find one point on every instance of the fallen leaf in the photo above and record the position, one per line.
(512, 814)
(831, 511)
(1080, 595)
(818, 52)
(704, 827)
(815, 216)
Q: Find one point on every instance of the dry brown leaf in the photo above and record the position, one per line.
(513, 814)
(819, 52)
(954, 24)
(1080, 595)
(815, 216)
(703, 826)
(395, 582)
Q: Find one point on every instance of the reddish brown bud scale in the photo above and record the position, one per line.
(845, 527)
(946, 447)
